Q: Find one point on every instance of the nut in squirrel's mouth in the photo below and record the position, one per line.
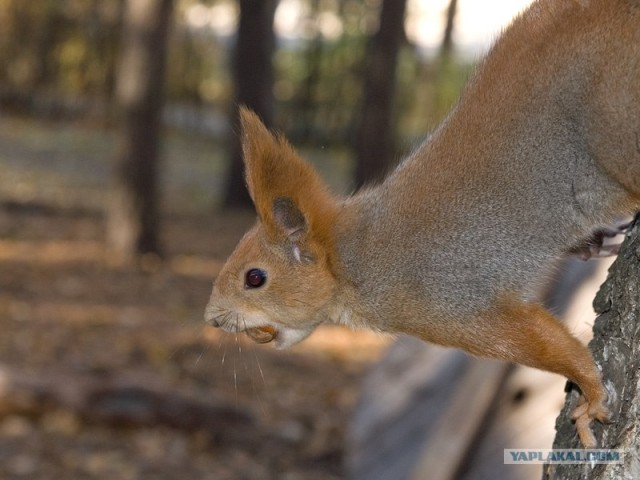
(263, 334)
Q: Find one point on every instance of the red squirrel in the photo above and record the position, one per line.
(456, 244)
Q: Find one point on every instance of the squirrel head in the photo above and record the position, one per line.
(280, 276)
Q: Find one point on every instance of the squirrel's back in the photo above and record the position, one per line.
(543, 147)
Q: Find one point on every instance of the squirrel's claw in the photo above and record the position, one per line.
(594, 247)
(583, 414)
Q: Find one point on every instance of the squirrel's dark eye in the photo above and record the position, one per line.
(255, 278)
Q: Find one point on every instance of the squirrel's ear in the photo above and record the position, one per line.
(289, 196)
(291, 222)
(289, 219)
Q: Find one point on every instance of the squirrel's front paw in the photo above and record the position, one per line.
(584, 413)
(594, 246)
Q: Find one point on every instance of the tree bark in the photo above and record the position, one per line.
(374, 142)
(253, 80)
(616, 350)
(132, 227)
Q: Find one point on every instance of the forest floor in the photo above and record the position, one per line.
(72, 316)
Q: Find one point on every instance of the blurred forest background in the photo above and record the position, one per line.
(131, 68)
(121, 194)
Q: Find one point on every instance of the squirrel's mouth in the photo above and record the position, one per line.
(263, 334)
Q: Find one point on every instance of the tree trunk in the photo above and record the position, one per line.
(46, 43)
(447, 38)
(132, 227)
(374, 142)
(616, 349)
(307, 102)
(253, 80)
(113, 37)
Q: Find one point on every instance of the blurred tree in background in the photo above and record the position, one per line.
(133, 208)
(253, 82)
(447, 40)
(57, 52)
(59, 58)
(374, 143)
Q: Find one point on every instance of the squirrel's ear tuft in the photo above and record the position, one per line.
(257, 141)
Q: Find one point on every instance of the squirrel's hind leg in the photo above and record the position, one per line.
(530, 335)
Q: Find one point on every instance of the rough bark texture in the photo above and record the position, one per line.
(374, 143)
(616, 349)
(133, 205)
(253, 80)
